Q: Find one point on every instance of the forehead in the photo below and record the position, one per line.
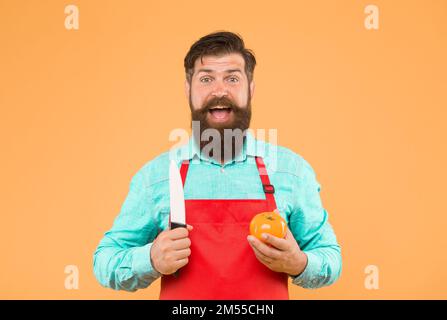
(220, 63)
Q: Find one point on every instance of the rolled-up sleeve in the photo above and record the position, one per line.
(309, 223)
(122, 258)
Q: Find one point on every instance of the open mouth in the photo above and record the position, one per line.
(220, 113)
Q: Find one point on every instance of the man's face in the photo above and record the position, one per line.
(219, 93)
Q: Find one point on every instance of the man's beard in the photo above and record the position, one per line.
(230, 136)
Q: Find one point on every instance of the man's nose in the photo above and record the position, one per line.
(219, 91)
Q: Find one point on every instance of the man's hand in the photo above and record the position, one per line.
(170, 250)
(280, 255)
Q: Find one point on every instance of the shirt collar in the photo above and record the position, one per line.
(252, 148)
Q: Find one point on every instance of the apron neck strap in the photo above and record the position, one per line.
(268, 188)
(184, 171)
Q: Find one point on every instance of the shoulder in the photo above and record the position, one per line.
(280, 159)
(155, 170)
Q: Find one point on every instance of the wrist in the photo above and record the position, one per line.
(301, 265)
(152, 262)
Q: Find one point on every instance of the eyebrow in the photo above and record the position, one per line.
(227, 71)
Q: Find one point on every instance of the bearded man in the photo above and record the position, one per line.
(228, 178)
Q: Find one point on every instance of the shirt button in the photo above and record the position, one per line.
(222, 169)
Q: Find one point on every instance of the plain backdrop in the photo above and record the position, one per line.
(83, 110)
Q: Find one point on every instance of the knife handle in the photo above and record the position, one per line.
(175, 225)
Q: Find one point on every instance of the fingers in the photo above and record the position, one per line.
(263, 248)
(181, 243)
(171, 250)
(181, 263)
(178, 233)
(261, 257)
(278, 243)
(182, 254)
(182, 258)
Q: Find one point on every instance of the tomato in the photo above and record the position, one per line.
(268, 222)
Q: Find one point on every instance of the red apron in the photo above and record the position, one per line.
(222, 265)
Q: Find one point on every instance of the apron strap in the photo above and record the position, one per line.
(268, 188)
(184, 170)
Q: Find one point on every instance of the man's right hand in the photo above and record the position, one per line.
(170, 250)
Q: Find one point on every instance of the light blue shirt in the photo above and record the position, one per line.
(122, 259)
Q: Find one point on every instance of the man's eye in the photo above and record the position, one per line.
(233, 79)
(205, 79)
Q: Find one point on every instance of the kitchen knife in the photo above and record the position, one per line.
(177, 200)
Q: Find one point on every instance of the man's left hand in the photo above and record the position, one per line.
(280, 255)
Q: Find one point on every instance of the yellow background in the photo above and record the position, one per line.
(82, 111)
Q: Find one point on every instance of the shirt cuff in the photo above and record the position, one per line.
(309, 278)
(141, 262)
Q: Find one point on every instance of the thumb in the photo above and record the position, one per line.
(189, 227)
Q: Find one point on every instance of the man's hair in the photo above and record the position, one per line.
(218, 44)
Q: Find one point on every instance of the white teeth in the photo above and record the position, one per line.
(219, 107)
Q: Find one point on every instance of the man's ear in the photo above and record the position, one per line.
(187, 89)
(252, 88)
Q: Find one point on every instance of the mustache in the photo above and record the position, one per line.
(222, 101)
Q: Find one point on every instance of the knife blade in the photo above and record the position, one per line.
(177, 198)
